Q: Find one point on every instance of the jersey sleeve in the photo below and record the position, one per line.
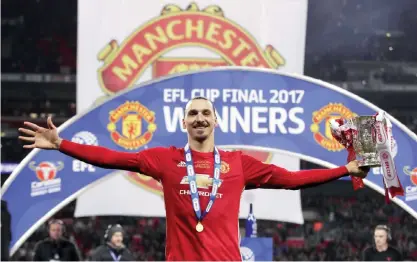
(261, 175)
(256, 173)
(147, 162)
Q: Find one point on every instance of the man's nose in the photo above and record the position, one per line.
(200, 117)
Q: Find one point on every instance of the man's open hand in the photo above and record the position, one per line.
(44, 138)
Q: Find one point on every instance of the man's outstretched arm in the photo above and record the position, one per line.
(101, 156)
(261, 175)
(147, 162)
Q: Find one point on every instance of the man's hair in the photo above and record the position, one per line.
(56, 222)
(201, 98)
(386, 229)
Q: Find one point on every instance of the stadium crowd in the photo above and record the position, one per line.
(345, 230)
(26, 49)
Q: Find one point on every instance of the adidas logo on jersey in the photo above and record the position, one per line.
(181, 164)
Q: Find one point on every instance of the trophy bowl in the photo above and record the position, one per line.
(364, 141)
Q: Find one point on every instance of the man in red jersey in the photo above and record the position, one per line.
(202, 185)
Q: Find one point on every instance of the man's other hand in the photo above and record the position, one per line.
(355, 170)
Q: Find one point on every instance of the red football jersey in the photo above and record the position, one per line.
(220, 238)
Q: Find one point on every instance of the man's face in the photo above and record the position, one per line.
(117, 239)
(380, 237)
(55, 231)
(199, 119)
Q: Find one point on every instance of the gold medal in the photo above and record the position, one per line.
(199, 227)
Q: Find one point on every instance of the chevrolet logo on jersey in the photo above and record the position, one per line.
(203, 181)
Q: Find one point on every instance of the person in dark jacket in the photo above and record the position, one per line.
(113, 249)
(55, 247)
(382, 250)
(6, 233)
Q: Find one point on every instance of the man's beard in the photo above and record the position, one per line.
(201, 138)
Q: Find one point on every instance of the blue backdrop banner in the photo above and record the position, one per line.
(257, 249)
(256, 108)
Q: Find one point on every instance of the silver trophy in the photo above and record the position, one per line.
(364, 141)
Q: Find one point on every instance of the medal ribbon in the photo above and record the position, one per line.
(192, 180)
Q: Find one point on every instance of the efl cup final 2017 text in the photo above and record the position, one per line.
(248, 111)
(256, 96)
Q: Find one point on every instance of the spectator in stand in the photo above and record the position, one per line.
(55, 247)
(343, 237)
(382, 251)
(113, 249)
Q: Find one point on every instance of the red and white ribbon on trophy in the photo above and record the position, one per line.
(343, 130)
(385, 147)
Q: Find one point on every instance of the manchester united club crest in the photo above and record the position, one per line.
(224, 167)
(321, 125)
(48, 182)
(131, 125)
(175, 28)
